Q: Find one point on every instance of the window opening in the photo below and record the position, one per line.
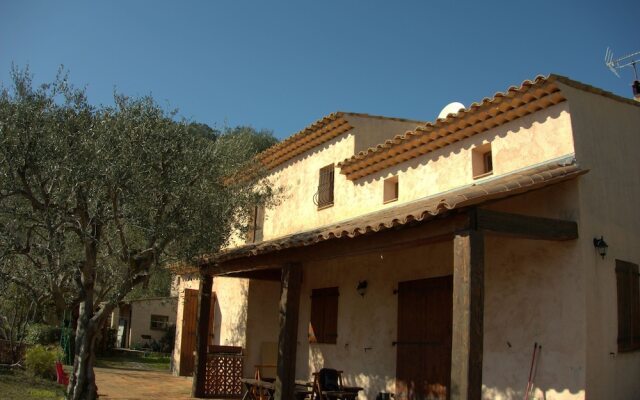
(390, 190)
(324, 196)
(482, 161)
(628, 306)
(323, 326)
(256, 225)
(159, 322)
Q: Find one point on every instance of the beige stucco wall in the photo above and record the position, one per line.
(262, 327)
(526, 301)
(533, 139)
(141, 311)
(535, 292)
(559, 294)
(607, 137)
(370, 132)
(230, 315)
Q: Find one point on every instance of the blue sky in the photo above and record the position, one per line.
(281, 65)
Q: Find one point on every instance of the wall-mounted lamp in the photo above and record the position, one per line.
(601, 246)
(362, 288)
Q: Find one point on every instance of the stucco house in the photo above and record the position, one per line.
(141, 321)
(426, 259)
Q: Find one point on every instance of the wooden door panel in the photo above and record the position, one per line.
(424, 339)
(188, 337)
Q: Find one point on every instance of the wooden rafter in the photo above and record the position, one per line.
(524, 226)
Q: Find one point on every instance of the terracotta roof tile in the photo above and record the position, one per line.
(507, 185)
(514, 103)
(319, 132)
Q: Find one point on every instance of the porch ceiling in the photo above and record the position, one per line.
(407, 215)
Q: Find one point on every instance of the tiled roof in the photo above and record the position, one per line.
(515, 102)
(313, 135)
(421, 210)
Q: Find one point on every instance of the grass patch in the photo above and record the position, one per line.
(17, 384)
(135, 360)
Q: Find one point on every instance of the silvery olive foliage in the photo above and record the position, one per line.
(91, 198)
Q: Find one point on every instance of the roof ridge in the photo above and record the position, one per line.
(593, 89)
(314, 134)
(448, 120)
(384, 117)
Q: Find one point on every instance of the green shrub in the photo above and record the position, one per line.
(137, 346)
(43, 334)
(168, 340)
(40, 361)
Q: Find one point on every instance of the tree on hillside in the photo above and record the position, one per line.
(97, 196)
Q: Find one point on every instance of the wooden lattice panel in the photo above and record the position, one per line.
(222, 378)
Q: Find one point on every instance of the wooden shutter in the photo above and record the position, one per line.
(188, 340)
(325, 186)
(628, 306)
(212, 313)
(251, 229)
(256, 224)
(323, 327)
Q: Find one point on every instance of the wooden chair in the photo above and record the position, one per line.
(327, 385)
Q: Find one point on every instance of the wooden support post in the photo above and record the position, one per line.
(468, 311)
(202, 336)
(288, 338)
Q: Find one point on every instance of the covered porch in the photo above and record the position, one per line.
(403, 254)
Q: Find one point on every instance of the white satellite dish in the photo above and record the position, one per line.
(451, 108)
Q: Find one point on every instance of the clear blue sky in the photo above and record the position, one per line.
(281, 65)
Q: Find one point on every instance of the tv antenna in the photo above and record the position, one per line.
(627, 61)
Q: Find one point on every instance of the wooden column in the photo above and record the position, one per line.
(202, 335)
(288, 337)
(468, 311)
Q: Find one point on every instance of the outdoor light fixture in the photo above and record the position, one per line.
(362, 288)
(601, 246)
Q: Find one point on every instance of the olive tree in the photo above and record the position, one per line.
(97, 196)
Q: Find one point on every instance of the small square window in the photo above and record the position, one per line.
(390, 190)
(482, 161)
(159, 322)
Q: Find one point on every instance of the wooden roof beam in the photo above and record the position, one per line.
(524, 226)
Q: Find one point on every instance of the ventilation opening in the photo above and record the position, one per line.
(482, 161)
(390, 190)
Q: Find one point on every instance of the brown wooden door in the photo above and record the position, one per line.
(423, 369)
(189, 326)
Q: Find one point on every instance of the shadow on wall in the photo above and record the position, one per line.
(217, 315)
(311, 153)
(236, 324)
(501, 131)
(533, 293)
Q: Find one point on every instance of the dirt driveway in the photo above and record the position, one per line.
(130, 384)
